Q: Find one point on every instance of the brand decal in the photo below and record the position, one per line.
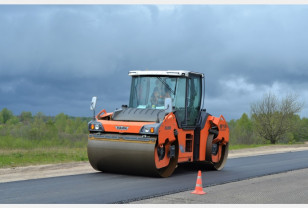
(167, 127)
(223, 127)
(121, 127)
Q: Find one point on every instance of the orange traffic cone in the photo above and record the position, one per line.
(198, 189)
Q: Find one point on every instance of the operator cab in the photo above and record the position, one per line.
(150, 88)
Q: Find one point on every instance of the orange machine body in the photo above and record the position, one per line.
(166, 136)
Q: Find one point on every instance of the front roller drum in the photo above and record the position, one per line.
(127, 155)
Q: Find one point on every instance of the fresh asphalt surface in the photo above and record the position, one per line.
(115, 188)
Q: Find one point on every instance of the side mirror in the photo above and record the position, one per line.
(168, 105)
(92, 106)
(93, 103)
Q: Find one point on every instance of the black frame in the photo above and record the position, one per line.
(183, 124)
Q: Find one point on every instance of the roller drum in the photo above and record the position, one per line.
(132, 154)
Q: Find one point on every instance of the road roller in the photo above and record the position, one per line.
(163, 124)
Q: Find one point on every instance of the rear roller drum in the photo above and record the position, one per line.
(217, 154)
(169, 153)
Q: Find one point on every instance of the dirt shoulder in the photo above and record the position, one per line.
(272, 149)
(54, 170)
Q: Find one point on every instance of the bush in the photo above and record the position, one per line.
(27, 131)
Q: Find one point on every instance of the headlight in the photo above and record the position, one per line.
(94, 126)
(150, 129)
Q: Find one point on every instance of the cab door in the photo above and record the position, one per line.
(193, 99)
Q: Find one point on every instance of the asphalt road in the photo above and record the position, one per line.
(282, 188)
(115, 188)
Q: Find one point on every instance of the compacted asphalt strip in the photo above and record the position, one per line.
(283, 188)
(116, 188)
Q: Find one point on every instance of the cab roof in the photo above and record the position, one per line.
(176, 73)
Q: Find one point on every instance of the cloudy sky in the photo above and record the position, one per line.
(54, 58)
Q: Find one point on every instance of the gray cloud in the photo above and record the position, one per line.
(54, 58)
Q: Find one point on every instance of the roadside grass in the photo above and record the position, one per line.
(22, 152)
(24, 157)
(246, 146)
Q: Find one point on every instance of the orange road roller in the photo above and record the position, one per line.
(164, 124)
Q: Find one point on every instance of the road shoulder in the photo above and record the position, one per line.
(282, 188)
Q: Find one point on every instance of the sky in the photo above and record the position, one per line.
(54, 58)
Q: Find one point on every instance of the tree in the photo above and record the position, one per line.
(273, 117)
(300, 132)
(5, 115)
(241, 130)
(61, 122)
(25, 117)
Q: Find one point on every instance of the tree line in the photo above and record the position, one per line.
(59, 130)
(272, 120)
(244, 131)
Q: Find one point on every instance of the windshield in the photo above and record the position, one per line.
(150, 92)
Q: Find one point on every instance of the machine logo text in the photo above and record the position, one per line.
(121, 127)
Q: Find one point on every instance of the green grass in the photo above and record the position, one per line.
(22, 152)
(24, 157)
(10, 142)
(244, 146)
